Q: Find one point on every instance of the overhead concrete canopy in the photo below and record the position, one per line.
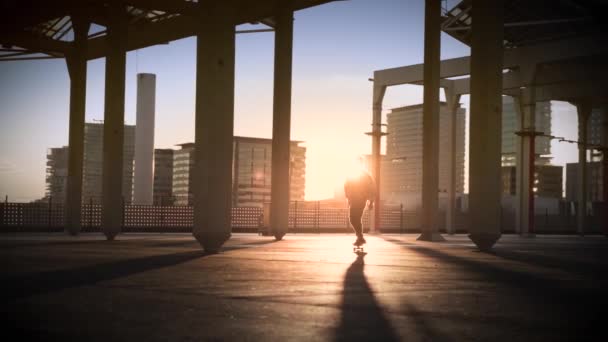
(529, 22)
(39, 29)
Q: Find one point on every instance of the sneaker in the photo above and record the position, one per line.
(360, 241)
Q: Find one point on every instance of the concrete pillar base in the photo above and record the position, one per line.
(72, 230)
(484, 241)
(527, 235)
(212, 241)
(110, 235)
(432, 237)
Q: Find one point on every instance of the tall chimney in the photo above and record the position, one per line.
(143, 177)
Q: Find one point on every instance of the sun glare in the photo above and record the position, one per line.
(353, 170)
(328, 172)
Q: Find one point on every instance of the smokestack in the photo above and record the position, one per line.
(143, 176)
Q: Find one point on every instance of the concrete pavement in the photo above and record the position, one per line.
(162, 287)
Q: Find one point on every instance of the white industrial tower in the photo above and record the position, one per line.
(143, 177)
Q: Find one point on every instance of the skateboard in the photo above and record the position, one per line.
(358, 249)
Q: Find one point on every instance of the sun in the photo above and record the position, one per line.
(354, 169)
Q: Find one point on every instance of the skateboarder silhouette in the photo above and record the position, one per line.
(359, 190)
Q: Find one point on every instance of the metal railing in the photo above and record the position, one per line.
(303, 217)
(49, 217)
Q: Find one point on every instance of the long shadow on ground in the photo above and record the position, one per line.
(576, 310)
(362, 317)
(49, 281)
(22, 286)
(596, 269)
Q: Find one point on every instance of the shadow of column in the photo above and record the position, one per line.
(362, 317)
(26, 285)
(572, 310)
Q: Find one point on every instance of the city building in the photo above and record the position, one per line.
(595, 138)
(143, 178)
(183, 168)
(595, 182)
(595, 126)
(548, 180)
(56, 173)
(163, 177)
(251, 177)
(510, 125)
(92, 168)
(93, 163)
(252, 161)
(401, 175)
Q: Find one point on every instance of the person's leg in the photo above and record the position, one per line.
(356, 211)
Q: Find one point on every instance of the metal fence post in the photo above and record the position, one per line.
(2, 209)
(401, 218)
(317, 217)
(91, 212)
(123, 213)
(162, 214)
(50, 209)
(295, 218)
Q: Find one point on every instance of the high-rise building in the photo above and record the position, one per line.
(595, 137)
(595, 182)
(56, 173)
(594, 127)
(548, 180)
(402, 165)
(163, 176)
(510, 125)
(252, 164)
(92, 166)
(143, 178)
(183, 169)
(251, 172)
(92, 172)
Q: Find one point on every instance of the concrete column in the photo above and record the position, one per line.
(77, 68)
(453, 102)
(214, 112)
(605, 168)
(486, 116)
(527, 133)
(520, 198)
(114, 117)
(584, 111)
(281, 123)
(376, 134)
(430, 122)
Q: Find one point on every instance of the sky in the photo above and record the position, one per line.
(336, 48)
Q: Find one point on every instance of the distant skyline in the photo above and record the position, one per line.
(337, 46)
